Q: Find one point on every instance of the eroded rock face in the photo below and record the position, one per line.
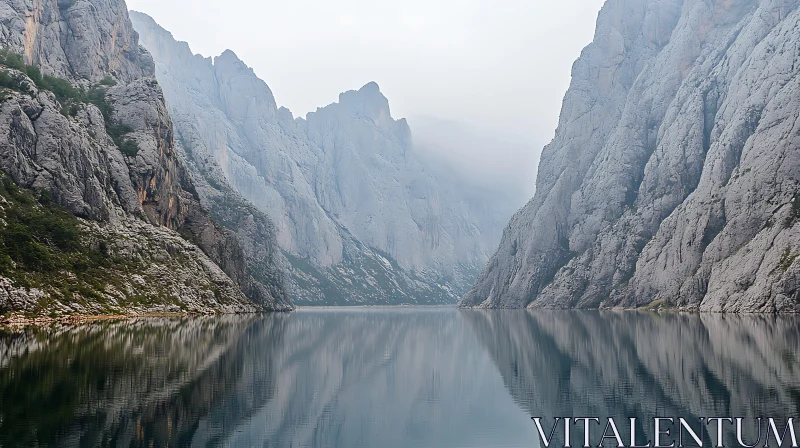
(82, 39)
(673, 172)
(45, 150)
(341, 185)
(71, 154)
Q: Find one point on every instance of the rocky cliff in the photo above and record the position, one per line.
(84, 120)
(673, 175)
(359, 217)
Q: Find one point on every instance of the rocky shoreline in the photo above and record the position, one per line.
(16, 321)
(21, 321)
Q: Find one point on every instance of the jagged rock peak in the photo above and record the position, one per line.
(228, 66)
(350, 201)
(229, 62)
(367, 101)
(371, 86)
(241, 90)
(229, 57)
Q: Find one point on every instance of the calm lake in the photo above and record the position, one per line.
(415, 377)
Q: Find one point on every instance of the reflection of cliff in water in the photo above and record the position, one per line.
(380, 378)
(126, 383)
(388, 378)
(629, 364)
(345, 378)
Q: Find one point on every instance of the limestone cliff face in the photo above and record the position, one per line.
(359, 217)
(372, 183)
(79, 39)
(76, 152)
(674, 171)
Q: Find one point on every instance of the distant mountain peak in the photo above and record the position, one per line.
(228, 55)
(368, 101)
(144, 17)
(229, 59)
(349, 200)
(370, 86)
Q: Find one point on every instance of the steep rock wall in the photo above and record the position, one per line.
(65, 145)
(673, 172)
(357, 214)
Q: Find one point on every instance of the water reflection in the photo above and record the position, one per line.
(645, 365)
(352, 378)
(123, 384)
(384, 377)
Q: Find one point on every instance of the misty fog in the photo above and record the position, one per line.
(503, 164)
(479, 67)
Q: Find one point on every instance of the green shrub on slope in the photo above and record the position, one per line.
(69, 96)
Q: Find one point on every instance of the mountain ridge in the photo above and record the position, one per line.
(351, 202)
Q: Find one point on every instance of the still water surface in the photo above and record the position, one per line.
(427, 377)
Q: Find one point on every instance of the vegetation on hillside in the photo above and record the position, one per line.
(70, 96)
(41, 243)
(44, 246)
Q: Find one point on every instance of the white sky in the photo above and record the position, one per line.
(501, 65)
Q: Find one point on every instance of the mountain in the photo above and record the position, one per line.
(673, 176)
(99, 214)
(360, 218)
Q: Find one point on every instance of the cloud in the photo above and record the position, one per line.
(498, 162)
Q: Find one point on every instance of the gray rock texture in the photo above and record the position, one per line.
(73, 156)
(81, 39)
(673, 175)
(359, 217)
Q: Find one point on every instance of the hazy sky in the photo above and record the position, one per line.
(502, 65)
